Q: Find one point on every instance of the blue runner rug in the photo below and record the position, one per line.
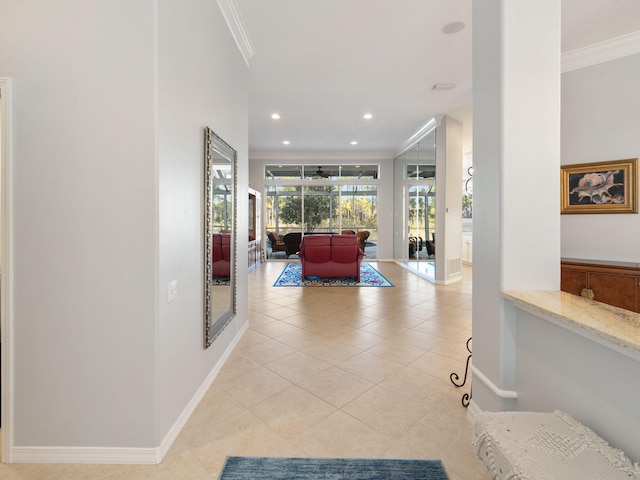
(291, 276)
(263, 468)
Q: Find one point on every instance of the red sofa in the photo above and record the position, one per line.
(221, 246)
(330, 256)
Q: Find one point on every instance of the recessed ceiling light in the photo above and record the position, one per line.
(286, 142)
(453, 27)
(443, 86)
(275, 116)
(354, 143)
(367, 116)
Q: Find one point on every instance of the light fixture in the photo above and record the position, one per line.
(354, 142)
(286, 142)
(453, 27)
(275, 116)
(443, 86)
(367, 116)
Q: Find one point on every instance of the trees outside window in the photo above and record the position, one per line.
(318, 203)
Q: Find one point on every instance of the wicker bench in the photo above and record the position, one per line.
(546, 446)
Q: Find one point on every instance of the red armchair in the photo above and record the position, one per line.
(221, 246)
(330, 256)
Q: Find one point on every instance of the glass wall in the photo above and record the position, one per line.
(323, 199)
(415, 191)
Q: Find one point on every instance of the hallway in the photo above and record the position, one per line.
(332, 372)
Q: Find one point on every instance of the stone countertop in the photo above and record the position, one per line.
(610, 326)
(604, 263)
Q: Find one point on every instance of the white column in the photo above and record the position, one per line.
(516, 122)
(448, 201)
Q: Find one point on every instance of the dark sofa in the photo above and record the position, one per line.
(330, 256)
(221, 246)
(292, 242)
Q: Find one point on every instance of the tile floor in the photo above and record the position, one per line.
(335, 371)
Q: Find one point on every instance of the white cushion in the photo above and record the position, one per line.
(545, 446)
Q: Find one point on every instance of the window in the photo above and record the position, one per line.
(323, 199)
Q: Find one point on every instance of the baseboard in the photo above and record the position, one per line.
(449, 281)
(182, 420)
(473, 410)
(124, 456)
(86, 455)
(254, 266)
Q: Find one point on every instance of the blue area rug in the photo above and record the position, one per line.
(291, 276)
(263, 468)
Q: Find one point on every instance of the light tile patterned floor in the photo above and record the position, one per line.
(327, 371)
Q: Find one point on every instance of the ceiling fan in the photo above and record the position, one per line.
(426, 172)
(321, 174)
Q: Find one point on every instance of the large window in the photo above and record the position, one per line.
(323, 199)
(319, 172)
(280, 208)
(359, 208)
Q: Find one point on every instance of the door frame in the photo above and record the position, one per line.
(6, 299)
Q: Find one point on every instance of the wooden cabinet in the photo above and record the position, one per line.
(255, 254)
(255, 227)
(616, 284)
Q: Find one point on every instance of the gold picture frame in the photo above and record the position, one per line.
(600, 187)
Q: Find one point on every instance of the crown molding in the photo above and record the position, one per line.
(422, 132)
(617, 47)
(231, 14)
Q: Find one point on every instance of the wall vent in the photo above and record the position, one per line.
(454, 266)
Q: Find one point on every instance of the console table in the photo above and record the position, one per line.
(613, 283)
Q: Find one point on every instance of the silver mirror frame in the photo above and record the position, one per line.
(213, 144)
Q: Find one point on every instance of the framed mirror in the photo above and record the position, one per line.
(220, 213)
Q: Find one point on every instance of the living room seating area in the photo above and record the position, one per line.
(330, 256)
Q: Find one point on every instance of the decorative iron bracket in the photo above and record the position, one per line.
(466, 398)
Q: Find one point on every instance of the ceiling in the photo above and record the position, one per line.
(323, 64)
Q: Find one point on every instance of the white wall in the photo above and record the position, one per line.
(111, 97)
(202, 81)
(448, 201)
(600, 121)
(597, 385)
(0, 188)
(85, 220)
